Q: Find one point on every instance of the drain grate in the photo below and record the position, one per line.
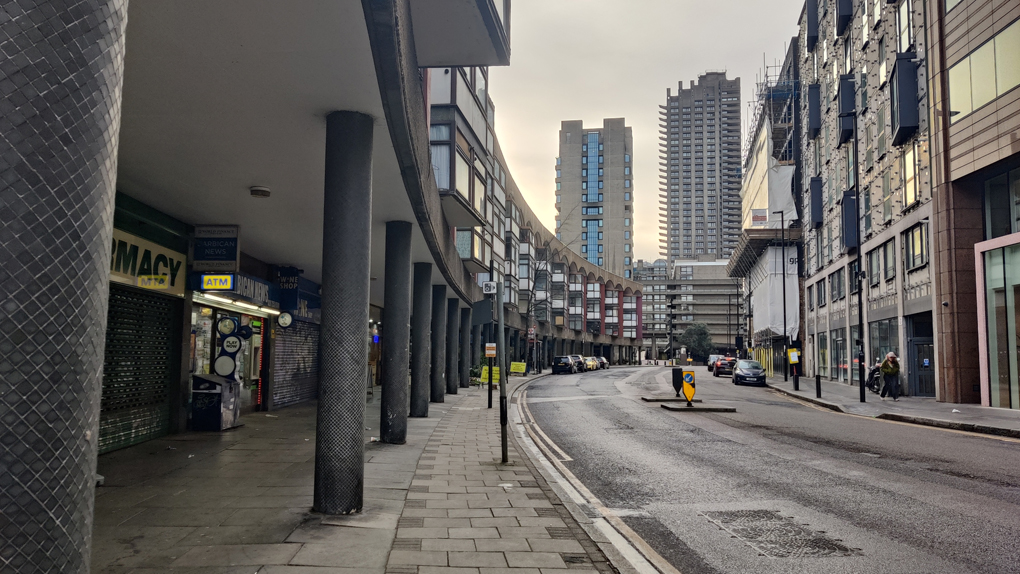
(777, 536)
(413, 544)
(528, 483)
(576, 560)
(414, 504)
(537, 496)
(559, 533)
(411, 522)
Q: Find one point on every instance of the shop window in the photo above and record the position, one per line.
(884, 338)
(915, 247)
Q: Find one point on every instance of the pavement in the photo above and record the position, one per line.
(240, 502)
(845, 398)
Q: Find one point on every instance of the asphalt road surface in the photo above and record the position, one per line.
(783, 486)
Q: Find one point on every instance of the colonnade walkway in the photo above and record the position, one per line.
(239, 502)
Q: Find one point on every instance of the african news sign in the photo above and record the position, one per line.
(140, 263)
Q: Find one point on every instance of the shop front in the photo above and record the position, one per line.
(997, 262)
(142, 363)
(253, 305)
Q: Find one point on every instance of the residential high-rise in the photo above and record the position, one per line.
(595, 195)
(699, 165)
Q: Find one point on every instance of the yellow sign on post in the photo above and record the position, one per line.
(495, 374)
(794, 356)
(688, 388)
(517, 368)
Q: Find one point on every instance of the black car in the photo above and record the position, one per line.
(563, 365)
(748, 372)
(579, 363)
(724, 366)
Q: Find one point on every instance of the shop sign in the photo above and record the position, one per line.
(140, 263)
(217, 248)
(217, 282)
(257, 291)
(759, 217)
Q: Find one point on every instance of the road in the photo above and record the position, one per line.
(783, 486)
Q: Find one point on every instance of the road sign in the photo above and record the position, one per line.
(489, 288)
(490, 350)
(517, 368)
(495, 374)
(688, 389)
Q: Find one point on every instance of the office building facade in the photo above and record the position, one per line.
(595, 193)
(674, 298)
(699, 169)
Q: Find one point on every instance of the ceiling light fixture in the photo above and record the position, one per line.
(259, 191)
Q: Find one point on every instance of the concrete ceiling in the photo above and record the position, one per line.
(220, 96)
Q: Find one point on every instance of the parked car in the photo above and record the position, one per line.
(579, 363)
(748, 372)
(603, 362)
(712, 359)
(563, 364)
(724, 366)
(591, 363)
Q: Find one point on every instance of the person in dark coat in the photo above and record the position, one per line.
(891, 373)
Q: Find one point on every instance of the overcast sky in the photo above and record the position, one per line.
(594, 59)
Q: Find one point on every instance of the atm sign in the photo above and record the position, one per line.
(217, 282)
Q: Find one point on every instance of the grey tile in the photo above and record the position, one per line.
(236, 555)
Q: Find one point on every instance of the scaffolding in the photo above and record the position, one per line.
(776, 99)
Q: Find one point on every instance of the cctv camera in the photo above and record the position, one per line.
(945, 303)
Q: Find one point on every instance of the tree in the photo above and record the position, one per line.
(698, 341)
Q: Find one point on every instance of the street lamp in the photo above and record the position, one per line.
(786, 339)
(860, 264)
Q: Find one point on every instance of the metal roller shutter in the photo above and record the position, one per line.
(140, 364)
(296, 372)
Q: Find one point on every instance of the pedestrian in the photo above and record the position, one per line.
(891, 373)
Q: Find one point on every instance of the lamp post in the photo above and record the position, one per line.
(786, 339)
(860, 265)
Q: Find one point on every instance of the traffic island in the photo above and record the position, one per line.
(667, 399)
(702, 408)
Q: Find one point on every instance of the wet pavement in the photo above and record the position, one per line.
(783, 485)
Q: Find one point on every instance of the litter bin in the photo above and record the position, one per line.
(678, 381)
(215, 403)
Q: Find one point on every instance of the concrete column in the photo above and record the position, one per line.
(452, 345)
(465, 348)
(343, 332)
(476, 344)
(61, 109)
(396, 319)
(438, 343)
(421, 334)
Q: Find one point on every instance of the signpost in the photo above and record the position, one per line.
(688, 387)
(490, 353)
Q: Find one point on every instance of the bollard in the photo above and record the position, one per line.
(796, 382)
(818, 386)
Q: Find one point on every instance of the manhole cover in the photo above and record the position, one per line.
(776, 536)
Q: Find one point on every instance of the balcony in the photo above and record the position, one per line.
(461, 32)
(469, 246)
(558, 277)
(576, 310)
(559, 304)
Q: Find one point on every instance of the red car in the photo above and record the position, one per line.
(724, 366)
